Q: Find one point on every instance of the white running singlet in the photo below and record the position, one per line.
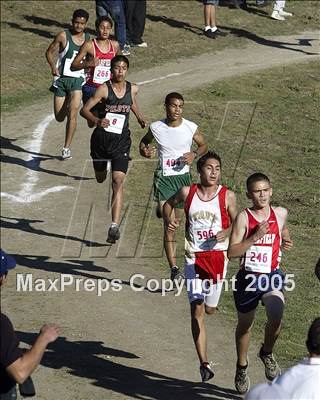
(173, 142)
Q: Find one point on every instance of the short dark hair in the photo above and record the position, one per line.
(313, 339)
(202, 160)
(80, 14)
(173, 95)
(102, 19)
(256, 177)
(119, 58)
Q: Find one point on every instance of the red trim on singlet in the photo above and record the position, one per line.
(109, 55)
(225, 219)
(192, 191)
(252, 223)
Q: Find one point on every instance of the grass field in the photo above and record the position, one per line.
(273, 117)
(267, 121)
(173, 30)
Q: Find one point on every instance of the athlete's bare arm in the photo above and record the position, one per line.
(100, 94)
(172, 223)
(282, 214)
(145, 149)
(202, 148)
(134, 106)
(56, 47)
(231, 205)
(116, 46)
(85, 59)
(238, 243)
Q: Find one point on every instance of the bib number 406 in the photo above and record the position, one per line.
(172, 163)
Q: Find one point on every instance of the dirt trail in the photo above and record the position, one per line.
(123, 344)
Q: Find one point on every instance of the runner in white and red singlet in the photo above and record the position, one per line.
(210, 209)
(258, 236)
(95, 56)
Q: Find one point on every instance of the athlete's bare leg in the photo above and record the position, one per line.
(60, 108)
(73, 107)
(210, 15)
(169, 241)
(198, 329)
(243, 333)
(118, 178)
(274, 305)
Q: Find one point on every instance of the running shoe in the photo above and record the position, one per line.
(141, 44)
(217, 32)
(206, 371)
(272, 369)
(285, 13)
(176, 275)
(113, 234)
(276, 15)
(126, 50)
(209, 34)
(66, 153)
(241, 380)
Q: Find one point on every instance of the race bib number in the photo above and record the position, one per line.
(116, 123)
(204, 238)
(171, 166)
(101, 74)
(258, 259)
(67, 65)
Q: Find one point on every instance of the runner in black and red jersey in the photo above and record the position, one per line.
(258, 236)
(95, 56)
(111, 141)
(210, 209)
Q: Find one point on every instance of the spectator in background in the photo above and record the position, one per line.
(135, 11)
(115, 9)
(278, 12)
(210, 29)
(300, 382)
(16, 366)
(244, 6)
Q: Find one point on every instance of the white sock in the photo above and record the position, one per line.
(213, 28)
(113, 224)
(175, 267)
(206, 28)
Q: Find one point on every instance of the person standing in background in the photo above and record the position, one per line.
(115, 9)
(210, 29)
(278, 12)
(135, 11)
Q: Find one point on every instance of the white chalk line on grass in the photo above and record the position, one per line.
(33, 197)
(26, 194)
(160, 78)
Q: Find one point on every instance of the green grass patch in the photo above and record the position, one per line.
(173, 31)
(266, 122)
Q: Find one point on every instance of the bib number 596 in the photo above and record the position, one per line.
(203, 235)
